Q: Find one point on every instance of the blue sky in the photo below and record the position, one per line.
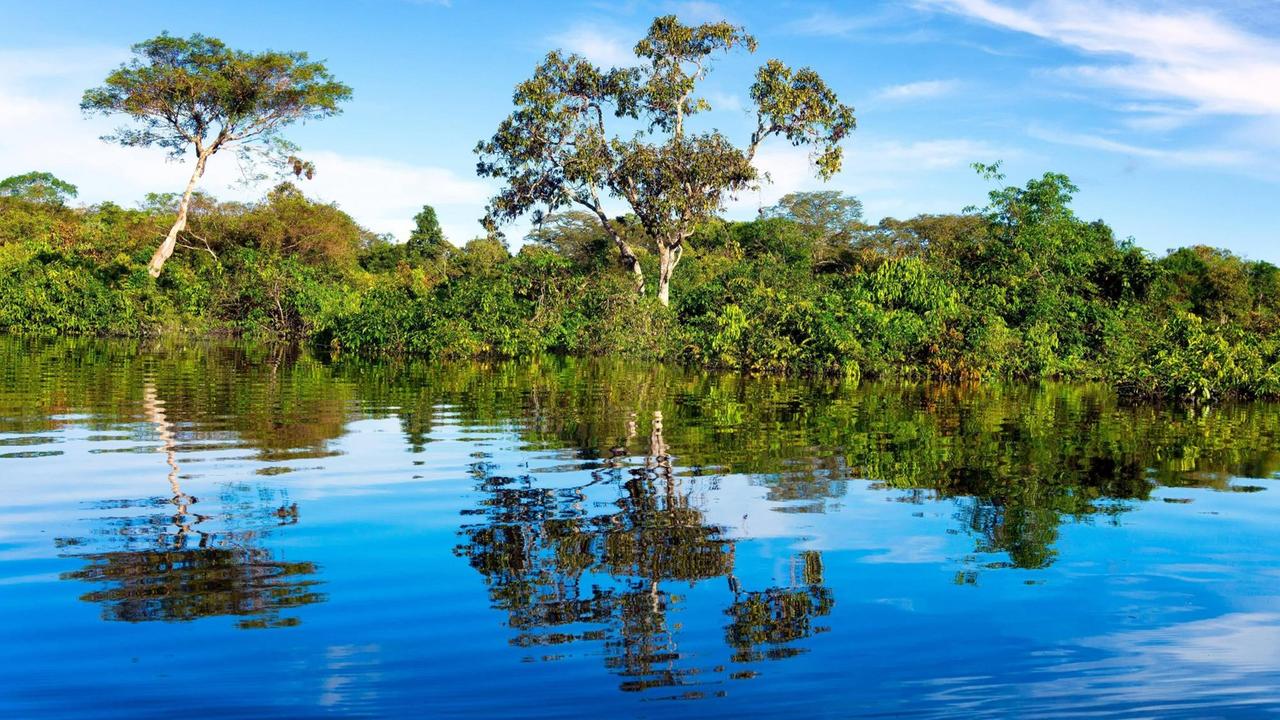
(1166, 114)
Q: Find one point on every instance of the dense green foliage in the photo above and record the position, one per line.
(1018, 289)
(38, 187)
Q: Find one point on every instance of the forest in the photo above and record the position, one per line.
(1017, 287)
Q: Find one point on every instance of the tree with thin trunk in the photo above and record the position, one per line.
(196, 95)
(555, 150)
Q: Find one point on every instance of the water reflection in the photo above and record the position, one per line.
(672, 532)
(566, 574)
(178, 563)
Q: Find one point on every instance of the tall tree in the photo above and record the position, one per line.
(197, 95)
(427, 239)
(555, 149)
(38, 187)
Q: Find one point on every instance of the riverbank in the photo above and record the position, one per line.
(1020, 290)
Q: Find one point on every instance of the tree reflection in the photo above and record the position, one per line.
(765, 623)
(181, 564)
(1010, 465)
(564, 575)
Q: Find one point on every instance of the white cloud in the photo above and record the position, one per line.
(19, 66)
(922, 90)
(1196, 157)
(41, 128)
(384, 195)
(1156, 117)
(726, 102)
(1190, 56)
(888, 156)
(870, 166)
(603, 45)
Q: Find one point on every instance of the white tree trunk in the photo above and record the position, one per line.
(668, 258)
(628, 257)
(638, 272)
(166, 248)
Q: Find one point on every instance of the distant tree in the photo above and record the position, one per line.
(831, 219)
(380, 252)
(427, 239)
(196, 94)
(287, 223)
(828, 213)
(554, 150)
(573, 234)
(38, 187)
(482, 255)
(1212, 283)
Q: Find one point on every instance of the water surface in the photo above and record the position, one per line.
(247, 531)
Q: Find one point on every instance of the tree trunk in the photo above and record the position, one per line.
(668, 258)
(629, 259)
(638, 272)
(166, 248)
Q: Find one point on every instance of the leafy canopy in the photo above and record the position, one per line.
(197, 93)
(557, 148)
(828, 214)
(38, 187)
(427, 239)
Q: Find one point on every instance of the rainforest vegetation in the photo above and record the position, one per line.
(1018, 287)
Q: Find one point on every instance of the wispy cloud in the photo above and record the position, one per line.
(871, 167)
(922, 90)
(882, 23)
(601, 44)
(1189, 56)
(1195, 157)
(828, 24)
(726, 102)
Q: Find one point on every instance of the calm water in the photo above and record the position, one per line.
(251, 532)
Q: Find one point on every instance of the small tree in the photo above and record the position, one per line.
(38, 187)
(427, 239)
(554, 150)
(196, 94)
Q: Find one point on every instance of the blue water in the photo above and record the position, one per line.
(239, 531)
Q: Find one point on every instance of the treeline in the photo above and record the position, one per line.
(1018, 289)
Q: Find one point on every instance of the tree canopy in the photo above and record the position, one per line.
(556, 149)
(38, 187)
(427, 239)
(197, 95)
